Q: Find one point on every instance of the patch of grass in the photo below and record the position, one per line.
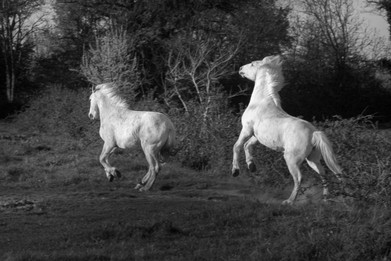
(236, 231)
(15, 173)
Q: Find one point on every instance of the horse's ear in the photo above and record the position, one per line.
(277, 60)
(92, 89)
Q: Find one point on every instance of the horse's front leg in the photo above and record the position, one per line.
(248, 150)
(111, 172)
(244, 134)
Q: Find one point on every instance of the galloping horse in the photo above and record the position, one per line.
(265, 121)
(124, 128)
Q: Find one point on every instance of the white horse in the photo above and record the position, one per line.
(265, 121)
(124, 128)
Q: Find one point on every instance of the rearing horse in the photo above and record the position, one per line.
(124, 128)
(265, 121)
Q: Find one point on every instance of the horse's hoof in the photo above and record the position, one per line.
(252, 167)
(235, 172)
(117, 173)
(138, 187)
(110, 178)
(287, 203)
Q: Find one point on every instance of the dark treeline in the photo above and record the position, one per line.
(187, 52)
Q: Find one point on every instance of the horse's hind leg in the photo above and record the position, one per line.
(313, 161)
(153, 168)
(293, 164)
(248, 150)
(107, 150)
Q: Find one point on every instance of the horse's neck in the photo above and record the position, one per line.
(264, 89)
(109, 111)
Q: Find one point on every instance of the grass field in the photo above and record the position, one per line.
(56, 204)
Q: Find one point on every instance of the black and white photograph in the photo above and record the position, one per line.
(195, 130)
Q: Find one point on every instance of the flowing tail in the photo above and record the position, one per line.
(321, 142)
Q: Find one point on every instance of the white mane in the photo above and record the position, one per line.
(110, 90)
(270, 68)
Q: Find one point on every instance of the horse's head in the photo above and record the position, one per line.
(250, 70)
(93, 114)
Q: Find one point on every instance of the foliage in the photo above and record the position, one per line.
(112, 60)
(58, 110)
(314, 90)
(154, 25)
(196, 65)
(364, 156)
(206, 142)
(264, 28)
(16, 28)
(327, 70)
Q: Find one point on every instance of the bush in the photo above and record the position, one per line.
(112, 59)
(207, 142)
(59, 111)
(363, 153)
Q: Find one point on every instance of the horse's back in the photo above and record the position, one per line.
(156, 120)
(284, 132)
(135, 127)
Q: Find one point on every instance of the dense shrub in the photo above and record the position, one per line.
(363, 153)
(314, 90)
(207, 142)
(112, 59)
(59, 111)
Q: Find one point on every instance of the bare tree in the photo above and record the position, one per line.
(195, 68)
(16, 26)
(336, 29)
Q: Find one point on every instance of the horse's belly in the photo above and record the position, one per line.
(271, 143)
(127, 143)
(270, 139)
